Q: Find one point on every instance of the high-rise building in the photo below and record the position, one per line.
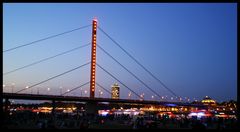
(115, 91)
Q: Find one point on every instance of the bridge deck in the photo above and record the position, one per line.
(87, 99)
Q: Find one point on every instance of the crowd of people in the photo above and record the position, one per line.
(32, 120)
(45, 121)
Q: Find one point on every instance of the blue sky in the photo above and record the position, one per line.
(192, 48)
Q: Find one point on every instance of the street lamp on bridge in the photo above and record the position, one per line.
(4, 86)
(27, 88)
(129, 95)
(68, 90)
(180, 99)
(162, 97)
(13, 84)
(142, 96)
(101, 93)
(61, 90)
(48, 89)
(152, 97)
(85, 92)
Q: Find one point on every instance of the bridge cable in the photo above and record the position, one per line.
(118, 80)
(129, 72)
(76, 88)
(139, 63)
(46, 38)
(53, 77)
(45, 59)
(104, 88)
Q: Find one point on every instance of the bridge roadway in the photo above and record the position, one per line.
(87, 99)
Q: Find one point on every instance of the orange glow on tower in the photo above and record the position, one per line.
(93, 59)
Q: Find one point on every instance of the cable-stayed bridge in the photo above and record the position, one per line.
(156, 98)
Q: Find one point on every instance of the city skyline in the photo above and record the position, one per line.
(189, 47)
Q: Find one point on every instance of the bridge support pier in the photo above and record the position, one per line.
(91, 109)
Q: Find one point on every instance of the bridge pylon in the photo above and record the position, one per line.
(93, 59)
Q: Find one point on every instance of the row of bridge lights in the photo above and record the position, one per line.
(94, 56)
(162, 97)
(48, 89)
(101, 93)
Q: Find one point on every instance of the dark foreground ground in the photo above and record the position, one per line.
(28, 120)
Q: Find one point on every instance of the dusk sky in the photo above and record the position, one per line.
(191, 48)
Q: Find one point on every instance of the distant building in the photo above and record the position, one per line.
(208, 101)
(115, 91)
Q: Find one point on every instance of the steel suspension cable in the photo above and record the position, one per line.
(129, 71)
(45, 59)
(103, 88)
(138, 62)
(118, 80)
(53, 77)
(76, 88)
(46, 38)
